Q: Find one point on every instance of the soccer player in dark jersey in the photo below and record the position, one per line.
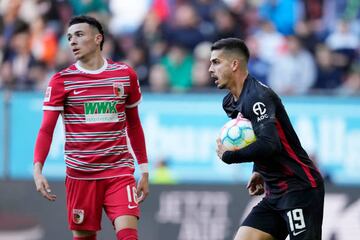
(97, 99)
(294, 189)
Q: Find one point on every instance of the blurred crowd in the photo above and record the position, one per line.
(297, 46)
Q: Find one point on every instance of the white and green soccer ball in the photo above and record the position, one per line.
(237, 133)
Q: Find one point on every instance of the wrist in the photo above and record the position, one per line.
(38, 168)
(144, 168)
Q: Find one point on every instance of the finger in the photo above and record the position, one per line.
(46, 193)
(39, 185)
(41, 188)
(218, 153)
(252, 192)
(258, 192)
(259, 189)
(141, 197)
(47, 186)
(51, 197)
(251, 189)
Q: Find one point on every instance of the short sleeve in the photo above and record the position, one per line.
(55, 94)
(134, 97)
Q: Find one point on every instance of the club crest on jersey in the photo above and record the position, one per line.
(78, 216)
(118, 89)
(259, 109)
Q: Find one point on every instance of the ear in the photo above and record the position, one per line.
(98, 38)
(235, 64)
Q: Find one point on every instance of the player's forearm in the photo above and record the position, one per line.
(44, 138)
(136, 136)
(266, 144)
(42, 147)
(137, 139)
(256, 151)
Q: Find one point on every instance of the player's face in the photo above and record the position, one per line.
(84, 40)
(220, 69)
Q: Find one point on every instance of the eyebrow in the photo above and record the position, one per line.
(78, 31)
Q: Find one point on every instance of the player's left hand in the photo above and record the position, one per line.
(255, 185)
(220, 149)
(143, 187)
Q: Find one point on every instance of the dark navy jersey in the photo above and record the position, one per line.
(277, 153)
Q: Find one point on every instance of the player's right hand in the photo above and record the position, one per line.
(255, 185)
(43, 187)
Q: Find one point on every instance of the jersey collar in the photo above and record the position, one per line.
(97, 71)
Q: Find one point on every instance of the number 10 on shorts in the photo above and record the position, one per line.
(296, 220)
(131, 193)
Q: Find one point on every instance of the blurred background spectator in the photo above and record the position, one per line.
(162, 173)
(293, 71)
(297, 46)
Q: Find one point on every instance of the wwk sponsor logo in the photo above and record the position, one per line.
(102, 111)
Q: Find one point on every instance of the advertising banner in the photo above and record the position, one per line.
(2, 133)
(25, 115)
(176, 212)
(181, 130)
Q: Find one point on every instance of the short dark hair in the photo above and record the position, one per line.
(92, 22)
(232, 44)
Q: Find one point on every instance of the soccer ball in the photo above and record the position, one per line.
(237, 133)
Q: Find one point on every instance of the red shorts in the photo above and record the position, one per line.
(85, 200)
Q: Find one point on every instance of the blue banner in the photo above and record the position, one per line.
(2, 134)
(25, 117)
(181, 130)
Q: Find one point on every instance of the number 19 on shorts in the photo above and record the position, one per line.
(296, 221)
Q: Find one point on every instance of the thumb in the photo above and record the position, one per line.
(46, 185)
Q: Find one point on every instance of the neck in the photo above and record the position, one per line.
(92, 63)
(237, 88)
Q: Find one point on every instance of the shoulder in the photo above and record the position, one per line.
(259, 97)
(258, 90)
(68, 71)
(118, 66)
(124, 68)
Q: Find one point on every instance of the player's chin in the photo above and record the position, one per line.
(220, 86)
(77, 56)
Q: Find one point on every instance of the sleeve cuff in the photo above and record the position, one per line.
(134, 104)
(227, 157)
(144, 168)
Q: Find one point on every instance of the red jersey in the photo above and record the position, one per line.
(92, 105)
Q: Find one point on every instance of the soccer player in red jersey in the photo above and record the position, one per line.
(97, 99)
(294, 200)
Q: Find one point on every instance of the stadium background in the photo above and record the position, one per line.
(307, 50)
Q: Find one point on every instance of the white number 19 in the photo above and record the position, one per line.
(296, 219)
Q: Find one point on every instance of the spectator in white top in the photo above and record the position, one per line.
(293, 73)
(270, 41)
(342, 37)
(127, 15)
